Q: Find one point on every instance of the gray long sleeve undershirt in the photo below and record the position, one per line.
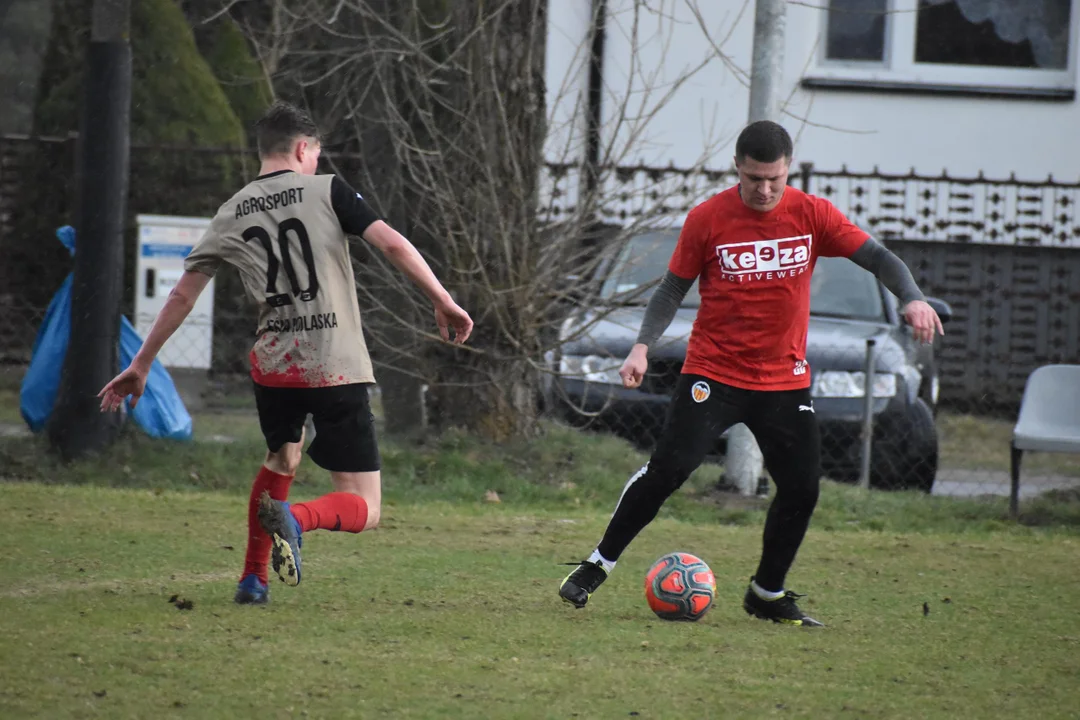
(889, 269)
(872, 256)
(663, 304)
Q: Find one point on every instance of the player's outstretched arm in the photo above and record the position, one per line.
(659, 313)
(132, 381)
(405, 257)
(897, 278)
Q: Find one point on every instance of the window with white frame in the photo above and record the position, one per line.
(999, 46)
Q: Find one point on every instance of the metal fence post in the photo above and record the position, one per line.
(806, 172)
(868, 414)
(1015, 456)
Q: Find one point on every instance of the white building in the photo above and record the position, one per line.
(930, 85)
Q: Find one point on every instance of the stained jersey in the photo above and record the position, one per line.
(286, 235)
(753, 273)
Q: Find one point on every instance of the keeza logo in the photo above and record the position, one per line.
(765, 255)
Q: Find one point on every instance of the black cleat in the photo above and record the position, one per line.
(782, 610)
(579, 585)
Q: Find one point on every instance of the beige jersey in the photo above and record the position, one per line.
(286, 235)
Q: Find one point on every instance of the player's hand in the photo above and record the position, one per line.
(450, 315)
(634, 367)
(130, 382)
(923, 320)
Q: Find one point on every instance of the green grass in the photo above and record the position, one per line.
(449, 610)
(978, 443)
(561, 468)
(967, 442)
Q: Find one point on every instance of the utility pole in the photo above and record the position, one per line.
(743, 463)
(767, 69)
(594, 98)
(76, 427)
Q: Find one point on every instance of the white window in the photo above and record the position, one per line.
(1021, 47)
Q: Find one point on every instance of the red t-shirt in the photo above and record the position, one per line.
(754, 269)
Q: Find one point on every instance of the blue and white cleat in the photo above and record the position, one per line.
(252, 591)
(277, 520)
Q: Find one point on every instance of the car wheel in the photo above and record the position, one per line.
(905, 454)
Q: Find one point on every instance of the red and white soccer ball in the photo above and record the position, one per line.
(680, 586)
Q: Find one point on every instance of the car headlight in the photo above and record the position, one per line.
(591, 368)
(566, 328)
(839, 384)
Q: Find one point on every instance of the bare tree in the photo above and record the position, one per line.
(442, 116)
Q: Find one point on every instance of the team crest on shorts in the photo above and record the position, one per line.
(700, 391)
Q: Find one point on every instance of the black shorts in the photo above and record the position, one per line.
(783, 423)
(344, 426)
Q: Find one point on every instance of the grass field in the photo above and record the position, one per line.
(449, 610)
(936, 607)
(967, 442)
(977, 443)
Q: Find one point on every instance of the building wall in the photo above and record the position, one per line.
(648, 52)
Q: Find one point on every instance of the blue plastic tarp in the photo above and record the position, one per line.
(159, 413)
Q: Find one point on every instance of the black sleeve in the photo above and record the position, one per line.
(353, 213)
(663, 305)
(889, 269)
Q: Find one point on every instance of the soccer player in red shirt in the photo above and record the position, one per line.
(752, 248)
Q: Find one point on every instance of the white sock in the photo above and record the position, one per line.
(597, 559)
(763, 593)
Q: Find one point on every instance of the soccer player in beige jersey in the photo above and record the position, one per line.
(285, 232)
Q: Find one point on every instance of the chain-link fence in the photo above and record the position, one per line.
(38, 194)
(1000, 260)
(1002, 255)
(916, 440)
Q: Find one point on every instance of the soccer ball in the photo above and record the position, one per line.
(680, 586)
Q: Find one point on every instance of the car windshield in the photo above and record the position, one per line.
(838, 288)
(641, 263)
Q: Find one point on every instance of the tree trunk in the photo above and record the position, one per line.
(495, 400)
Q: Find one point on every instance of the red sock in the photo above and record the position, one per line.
(335, 511)
(258, 545)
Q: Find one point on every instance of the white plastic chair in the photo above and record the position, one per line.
(1049, 418)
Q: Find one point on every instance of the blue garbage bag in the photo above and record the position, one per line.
(160, 412)
(42, 381)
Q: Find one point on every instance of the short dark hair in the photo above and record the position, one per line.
(280, 125)
(764, 141)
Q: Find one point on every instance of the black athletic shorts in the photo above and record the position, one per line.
(783, 423)
(344, 426)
